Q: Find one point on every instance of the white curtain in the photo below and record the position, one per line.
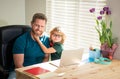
(75, 18)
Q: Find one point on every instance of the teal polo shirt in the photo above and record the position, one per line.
(33, 53)
(59, 48)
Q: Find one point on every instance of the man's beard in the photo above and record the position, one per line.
(37, 33)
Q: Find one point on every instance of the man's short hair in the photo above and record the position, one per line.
(39, 16)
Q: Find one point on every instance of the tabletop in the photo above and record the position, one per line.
(84, 71)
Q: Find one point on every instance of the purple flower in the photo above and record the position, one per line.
(108, 12)
(106, 8)
(99, 17)
(101, 12)
(92, 10)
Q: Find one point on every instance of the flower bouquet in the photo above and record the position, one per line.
(104, 29)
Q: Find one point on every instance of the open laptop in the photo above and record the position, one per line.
(71, 57)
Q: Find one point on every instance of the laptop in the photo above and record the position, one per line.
(71, 57)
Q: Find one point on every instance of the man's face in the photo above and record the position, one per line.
(38, 27)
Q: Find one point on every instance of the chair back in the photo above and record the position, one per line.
(8, 34)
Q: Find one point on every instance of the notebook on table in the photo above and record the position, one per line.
(36, 70)
(71, 57)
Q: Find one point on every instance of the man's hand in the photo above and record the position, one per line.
(46, 58)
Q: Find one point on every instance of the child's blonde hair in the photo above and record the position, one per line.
(60, 31)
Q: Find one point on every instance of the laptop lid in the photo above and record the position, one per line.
(71, 57)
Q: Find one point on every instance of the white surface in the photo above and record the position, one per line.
(47, 66)
(12, 12)
(84, 60)
(70, 57)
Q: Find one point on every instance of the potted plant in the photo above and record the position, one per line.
(104, 29)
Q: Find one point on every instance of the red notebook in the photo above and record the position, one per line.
(36, 70)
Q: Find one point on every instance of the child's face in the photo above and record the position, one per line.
(56, 37)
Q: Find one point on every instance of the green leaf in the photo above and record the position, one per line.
(110, 24)
(97, 22)
(98, 31)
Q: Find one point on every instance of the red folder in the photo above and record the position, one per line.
(36, 70)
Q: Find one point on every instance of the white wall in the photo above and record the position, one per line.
(114, 5)
(12, 12)
(34, 6)
(20, 11)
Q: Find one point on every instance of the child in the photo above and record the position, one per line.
(57, 38)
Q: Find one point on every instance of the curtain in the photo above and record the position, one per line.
(76, 20)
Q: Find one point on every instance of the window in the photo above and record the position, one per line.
(75, 18)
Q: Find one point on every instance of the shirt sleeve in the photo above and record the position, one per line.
(58, 47)
(19, 45)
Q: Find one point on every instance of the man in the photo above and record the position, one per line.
(26, 51)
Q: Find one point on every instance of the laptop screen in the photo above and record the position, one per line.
(71, 57)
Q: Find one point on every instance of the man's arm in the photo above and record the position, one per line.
(18, 60)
